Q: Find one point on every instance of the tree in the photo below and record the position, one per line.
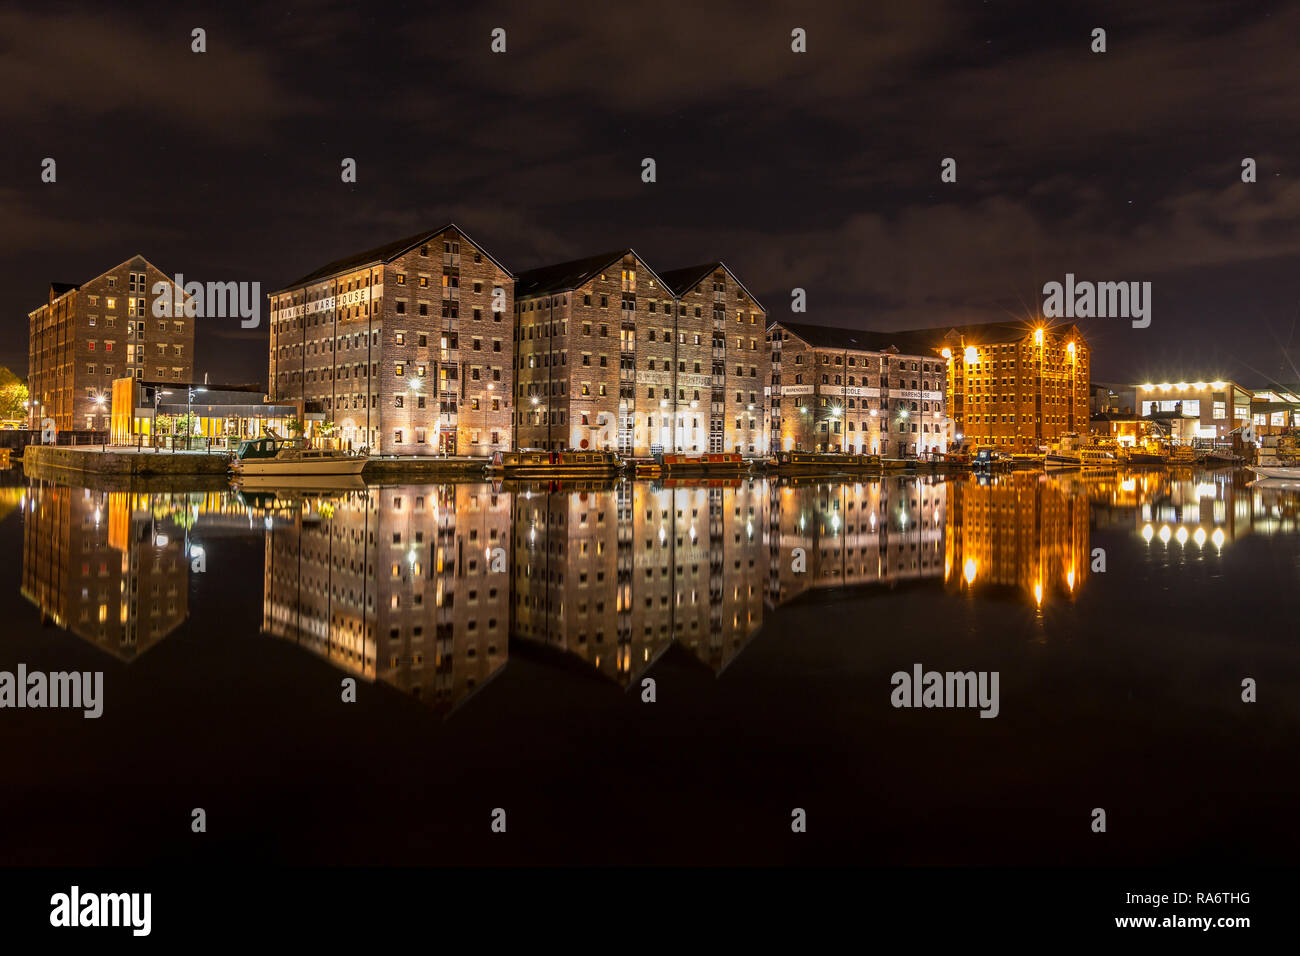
(13, 392)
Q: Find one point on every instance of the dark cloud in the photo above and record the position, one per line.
(819, 170)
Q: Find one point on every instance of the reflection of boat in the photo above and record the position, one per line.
(554, 464)
(269, 483)
(1275, 484)
(271, 456)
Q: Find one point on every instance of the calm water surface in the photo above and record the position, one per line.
(500, 638)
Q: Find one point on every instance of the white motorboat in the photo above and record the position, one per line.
(1285, 472)
(1070, 451)
(270, 456)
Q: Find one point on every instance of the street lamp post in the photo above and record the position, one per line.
(189, 401)
(415, 394)
(158, 393)
(99, 404)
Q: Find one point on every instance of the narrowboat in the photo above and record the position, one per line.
(807, 461)
(553, 464)
(716, 463)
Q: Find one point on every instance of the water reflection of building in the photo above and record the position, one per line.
(615, 574)
(111, 567)
(399, 584)
(1023, 531)
(867, 532)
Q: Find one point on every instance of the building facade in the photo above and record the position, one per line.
(841, 390)
(1014, 386)
(612, 356)
(721, 330)
(616, 573)
(1191, 410)
(406, 586)
(832, 534)
(111, 327)
(111, 567)
(404, 349)
(1275, 409)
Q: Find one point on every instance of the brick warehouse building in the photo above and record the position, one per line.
(1015, 386)
(842, 390)
(612, 355)
(406, 348)
(89, 334)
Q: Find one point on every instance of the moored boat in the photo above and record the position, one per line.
(1022, 461)
(806, 461)
(1281, 472)
(1064, 452)
(553, 464)
(272, 456)
(1219, 458)
(715, 463)
(1146, 458)
(1094, 456)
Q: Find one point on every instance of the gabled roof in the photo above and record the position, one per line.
(567, 276)
(60, 289)
(682, 281)
(385, 254)
(831, 337)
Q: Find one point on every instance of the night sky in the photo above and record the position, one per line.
(818, 170)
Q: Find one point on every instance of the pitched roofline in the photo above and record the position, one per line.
(709, 267)
(909, 342)
(78, 286)
(479, 246)
(370, 263)
(751, 295)
(586, 276)
(650, 269)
